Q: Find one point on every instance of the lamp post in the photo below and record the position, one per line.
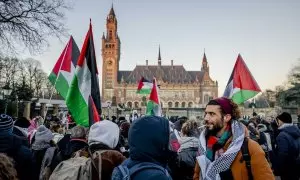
(5, 91)
(108, 106)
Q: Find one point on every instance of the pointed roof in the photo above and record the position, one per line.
(204, 58)
(159, 56)
(112, 12)
(103, 36)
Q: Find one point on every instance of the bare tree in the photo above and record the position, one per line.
(28, 23)
(40, 80)
(8, 70)
(31, 68)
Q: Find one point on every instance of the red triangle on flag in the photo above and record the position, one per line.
(242, 77)
(154, 94)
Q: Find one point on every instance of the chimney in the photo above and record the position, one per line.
(171, 62)
(146, 62)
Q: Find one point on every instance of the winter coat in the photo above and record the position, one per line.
(24, 163)
(186, 159)
(260, 167)
(110, 160)
(148, 142)
(286, 152)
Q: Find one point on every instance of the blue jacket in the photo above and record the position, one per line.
(149, 142)
(24, 164)
(287, 150)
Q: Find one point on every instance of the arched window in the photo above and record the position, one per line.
(190, 104)
(136, 104)
(206, 99)
(129, 104)
(176, 104)
(170, 104)
(183, 104)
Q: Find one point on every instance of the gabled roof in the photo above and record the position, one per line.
(167, 74)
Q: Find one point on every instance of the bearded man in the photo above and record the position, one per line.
(226, 152)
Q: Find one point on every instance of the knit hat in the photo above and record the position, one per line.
(6, 123)
(285, 117)
(105, 132)
(22, 122)
(43, 136)
(225, 104)
(78, 132)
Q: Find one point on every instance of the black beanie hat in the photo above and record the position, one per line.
(6, 123)
(285, 117)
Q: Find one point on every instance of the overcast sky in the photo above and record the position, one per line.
(266, 33)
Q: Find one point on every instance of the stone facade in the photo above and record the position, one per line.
(178, 87)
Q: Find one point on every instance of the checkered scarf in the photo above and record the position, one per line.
(214, 143)
(210, 169)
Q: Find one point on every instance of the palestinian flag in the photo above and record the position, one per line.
(153, 105)
(85, 83)
(144, 86)
(64, 69)
(241, 85)
(93, 113)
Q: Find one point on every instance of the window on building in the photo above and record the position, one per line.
(206, 99)
(136, 104)
(190, 104)
(176, 104)
(183, 104)
(170, 104)
(129, 104)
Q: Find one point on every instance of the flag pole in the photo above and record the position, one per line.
(56, 79)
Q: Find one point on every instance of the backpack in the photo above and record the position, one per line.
(78, 167)
(246, 157)
(122, 172)
(46, 163)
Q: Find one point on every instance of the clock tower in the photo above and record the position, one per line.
(111, 57)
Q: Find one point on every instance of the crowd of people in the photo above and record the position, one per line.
(222, 147)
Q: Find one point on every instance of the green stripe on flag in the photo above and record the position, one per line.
(61, 85)
(77, 105)
(143, 91)
(243, 95)
(152, 108)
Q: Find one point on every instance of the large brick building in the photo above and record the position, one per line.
(178, 87)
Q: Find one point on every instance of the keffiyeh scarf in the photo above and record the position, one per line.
(210, 170)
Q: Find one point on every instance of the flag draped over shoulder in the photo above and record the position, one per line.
(144, 86)
(85, 84)
(241, 85)
(64, 69)
(153, 105)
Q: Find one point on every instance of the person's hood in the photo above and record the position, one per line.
(188, 142)
(9, 142)
(105, 132)
(290, 129)
(149, 139)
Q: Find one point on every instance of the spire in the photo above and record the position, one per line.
(112, 12)
(159, 56)
(103, 36)
(204, 63)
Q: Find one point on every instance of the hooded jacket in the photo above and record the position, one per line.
(149, 142)
(286, 152)
(24, 164)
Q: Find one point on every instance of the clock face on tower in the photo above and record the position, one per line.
(109, 62)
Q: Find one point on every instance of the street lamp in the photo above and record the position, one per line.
(5, 92)
(108, 106)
